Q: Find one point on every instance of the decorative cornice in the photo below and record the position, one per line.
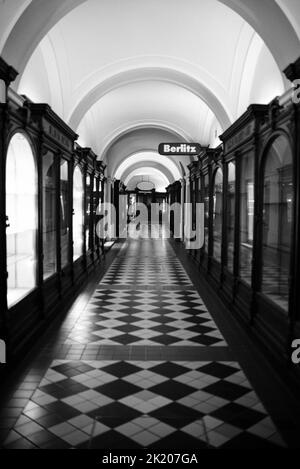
(253, 111)
(7, 73)
(44, 110)
(292, 71)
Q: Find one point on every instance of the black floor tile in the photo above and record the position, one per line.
(176, 414)
(111, 440)
(171, 370)
(226, 390)
(238, 415)
(179, 440)
(247, 441)
(172, 390)
(118, 389)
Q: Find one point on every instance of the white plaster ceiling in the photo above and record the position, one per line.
(123, 71)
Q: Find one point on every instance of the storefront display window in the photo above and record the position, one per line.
(22, 219)
(64, 211)
(217, 214)
(246, 216)
(206, 212)
(78, 219)
(230, 213)
(49, 215)
(278, 197)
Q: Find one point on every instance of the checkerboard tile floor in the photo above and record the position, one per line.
(152, 317)
(149, 301)
(147, 271)
(148, 404)
(144, 299)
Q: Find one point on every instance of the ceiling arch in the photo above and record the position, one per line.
(147, 173)
(145, 159)
(143, 141)
(144, 124)
(139, 167)
(266, 17)
(167, 129)
(269, 21)
(168, 70)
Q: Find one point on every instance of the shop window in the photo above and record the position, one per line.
(64, 212)
(95, 201)
(21, 210)
(206, 212)
(246, 216)
(78, 219)
(277, 221)
(217, 214)
(49, 215)
(230, 213)
(88, 213)
(193, 201)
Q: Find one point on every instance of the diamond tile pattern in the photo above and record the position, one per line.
(144, 299)
(147, 271)
(149, 301)
(151, 317)
(144, 404)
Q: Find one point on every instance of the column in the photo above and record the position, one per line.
(182, 200)
(109, 201)
(292, 72)
(187, 218)
(7, 75)
(108, 189)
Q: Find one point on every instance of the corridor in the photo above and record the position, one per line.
(137, 362)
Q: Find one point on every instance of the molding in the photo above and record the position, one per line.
(7, 73)
(292, 72)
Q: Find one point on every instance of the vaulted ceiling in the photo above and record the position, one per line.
(129, 74)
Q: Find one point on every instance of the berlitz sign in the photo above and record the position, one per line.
(189, 149)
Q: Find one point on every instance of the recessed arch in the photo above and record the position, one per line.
(148, 164)
(145, 124)
(146, 158)
(157, 177)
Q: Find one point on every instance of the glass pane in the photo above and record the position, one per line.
(49, 222)
(78, 200)
(198, 185)
(193, 201)
(206, 212)
(246, 216)
(230, 215)
(95, 210)
(217, 214)
(277, 221)
(64, 212)
(21, 209)
(88, 212)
